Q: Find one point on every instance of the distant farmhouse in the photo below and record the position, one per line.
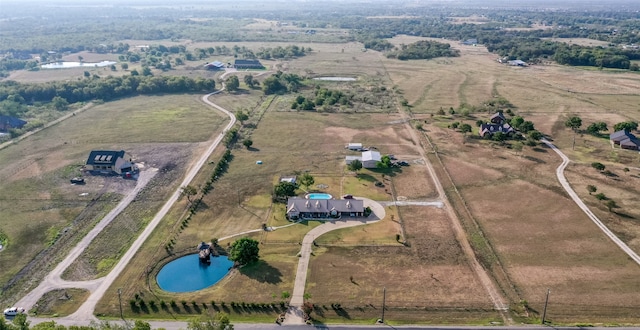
(217, 65)
(110, 162)
(517, 63)
(9, 122)
(470, 42)
(498, 123)
(302, 208)
(369, 159)
(248, 64)
(625, 140)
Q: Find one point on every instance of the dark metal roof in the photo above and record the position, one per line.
(104, 157)
(12, 121)
(620, 136)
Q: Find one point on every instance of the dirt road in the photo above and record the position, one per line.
(499, 302)
(567, 187)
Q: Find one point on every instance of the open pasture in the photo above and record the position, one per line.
(432, 266)
(36, 172)
(542, 239)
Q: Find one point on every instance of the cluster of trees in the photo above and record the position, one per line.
(105, 89)
(575, 122)
(282, 52)
(423, 49)
(281, 83)
(323, 96)
(378, 44)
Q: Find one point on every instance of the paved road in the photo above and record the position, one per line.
(54, 280)
(567, 187)
(437, 204)
(294, 314)
(177, 325)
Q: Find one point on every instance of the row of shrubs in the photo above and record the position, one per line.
(138, 305)
(220, 169)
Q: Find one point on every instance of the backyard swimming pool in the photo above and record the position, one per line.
(318, 196)
(188, 274)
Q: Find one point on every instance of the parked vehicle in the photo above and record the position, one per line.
(77, 180)
(13, 311)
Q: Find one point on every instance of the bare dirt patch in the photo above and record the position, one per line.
(60, 302)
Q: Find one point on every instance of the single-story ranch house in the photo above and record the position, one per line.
(369, 159)
(110, 162)
(323, 208)
(625, 140)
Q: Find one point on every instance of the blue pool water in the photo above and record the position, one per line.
(187, 273)
(318, 196)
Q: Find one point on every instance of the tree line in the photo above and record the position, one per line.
(97, 88)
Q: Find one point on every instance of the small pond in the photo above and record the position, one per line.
(66, 65)
(188, 274)
(336, 78)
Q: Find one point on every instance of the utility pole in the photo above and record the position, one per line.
(384, 298)
(546, 301)
(120, 302)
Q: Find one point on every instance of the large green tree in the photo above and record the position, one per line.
(573, 122)
(244, 251)
(307, 180)
(285, 189)
(627, 126)
(355, 166)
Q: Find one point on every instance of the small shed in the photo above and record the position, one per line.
(354, 146)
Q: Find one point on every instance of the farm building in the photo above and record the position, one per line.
(247, 64)
(354, 146)
(290, 179)
(110, 162)
(217, 65)
(9, 122)
(470, 42)
(369, 159)
(625, 140)
(517, 63)
(323, 208)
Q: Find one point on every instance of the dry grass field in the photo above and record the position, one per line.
(539, 235)
(530, 232)
(35, 176)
